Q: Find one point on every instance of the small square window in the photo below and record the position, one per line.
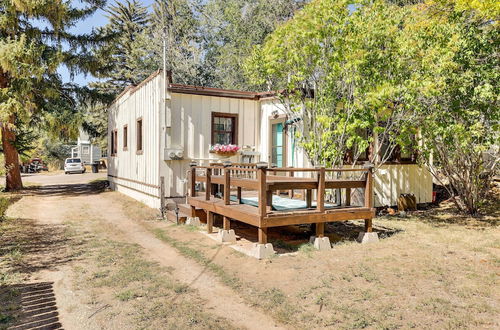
(125, 137)
(224, 128)
(139, 136)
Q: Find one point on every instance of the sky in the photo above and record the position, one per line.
(86, 26)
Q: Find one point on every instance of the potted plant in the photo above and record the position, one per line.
(226, 150)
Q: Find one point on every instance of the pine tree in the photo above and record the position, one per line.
(124, 58)
(34, 41)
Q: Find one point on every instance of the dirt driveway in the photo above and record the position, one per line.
(49, 178)
(66, 204)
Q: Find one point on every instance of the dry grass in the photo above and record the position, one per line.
(430, 274)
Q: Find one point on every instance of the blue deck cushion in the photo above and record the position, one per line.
(279, 203)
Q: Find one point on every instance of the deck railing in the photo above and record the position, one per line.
(258, 177)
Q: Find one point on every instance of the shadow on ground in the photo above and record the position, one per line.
(288, 239)
(30, 306)
(26, 248)
(91, 188)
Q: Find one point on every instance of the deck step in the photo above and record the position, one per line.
(171, 216)
(186, 209)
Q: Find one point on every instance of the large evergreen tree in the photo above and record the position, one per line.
(34, 41)
(123, 58)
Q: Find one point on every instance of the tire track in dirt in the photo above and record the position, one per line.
(220, 299)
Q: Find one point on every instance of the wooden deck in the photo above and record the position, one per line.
(258, 180)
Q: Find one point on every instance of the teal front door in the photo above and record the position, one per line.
(278, 145)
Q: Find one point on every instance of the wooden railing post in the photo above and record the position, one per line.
(227, 186)
(238, 194)
(208, 184)
(320, 200)
(261, 178)
(369, 187)
(192, 181)
(369, 195)
(290, 192)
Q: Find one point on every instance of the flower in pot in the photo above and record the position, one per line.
(224, 149)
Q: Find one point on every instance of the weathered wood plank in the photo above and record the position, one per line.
(344, 215)
(241, 212)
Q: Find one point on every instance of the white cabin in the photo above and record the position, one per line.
(155, 131)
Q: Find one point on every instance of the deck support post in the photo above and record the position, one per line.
(290, 192)
(210, 222)
(192, 185)
(262, 235)
(226, 223)
(320, 229)
(369, 196)
(368, 226)
(261, 178)
(368, 236)
(320, 199)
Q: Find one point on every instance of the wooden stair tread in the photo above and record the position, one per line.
(172, 217)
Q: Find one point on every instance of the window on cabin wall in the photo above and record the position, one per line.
(224, 128)
(398, 154)
(139, 136)
(125, 137)
(362, 155)
(114, 142)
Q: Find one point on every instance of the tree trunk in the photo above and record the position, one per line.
(13, 174)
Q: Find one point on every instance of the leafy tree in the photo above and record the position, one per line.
(343, 75)
(427, 70)
(34, 41)
(455, 48)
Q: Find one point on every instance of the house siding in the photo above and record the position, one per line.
(192, 131)
(136, 175)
